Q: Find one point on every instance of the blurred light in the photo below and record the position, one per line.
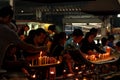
(76, 79)
(34, 76)
(76, 68)
(64, 70)
(22, 11)
(52, 72)
(118, 15)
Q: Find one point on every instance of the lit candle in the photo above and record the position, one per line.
(58, 62)
(92, 57)
(64, 71)
(80, 72)
(30, 65)
(40, 53)
(103, 56)
(100, 56)
(108, 54)
(34, 76)
(76, 68)
(40, 58)
(32, 62)
(52, 72)
(45, 59)
(84, 78)
(86, 56)
(108, 49)
(76, 79)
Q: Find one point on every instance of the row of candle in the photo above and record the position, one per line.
(100, 56)
(46, 60)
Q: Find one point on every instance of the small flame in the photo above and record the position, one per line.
(34, 76)
(52, 72)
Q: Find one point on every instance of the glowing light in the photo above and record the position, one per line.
(52, 72)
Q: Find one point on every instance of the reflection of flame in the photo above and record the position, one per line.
(76, 68)
(52, 72)
(34, 76)
(30, 65)
(84, 78)
(64, 70)
(76, 79)
(58, 62)
(86, 56)
(80, 72)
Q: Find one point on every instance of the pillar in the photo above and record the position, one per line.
(38, 14)
(12, 4)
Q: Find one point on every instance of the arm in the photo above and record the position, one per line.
(30, 48)
(12, 37)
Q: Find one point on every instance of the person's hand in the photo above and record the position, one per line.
(43, 48)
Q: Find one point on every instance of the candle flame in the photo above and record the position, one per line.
(33, 76)
(40, 53)
(58, 62)
(51, 72)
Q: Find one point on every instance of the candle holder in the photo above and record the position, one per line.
(33, 76)
(64, 73)
(76, 70)
(52, 73)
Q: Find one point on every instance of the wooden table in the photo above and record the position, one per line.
(43, 71)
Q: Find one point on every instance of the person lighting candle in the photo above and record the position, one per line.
(9, 36)
(72, 47)
(88, 45)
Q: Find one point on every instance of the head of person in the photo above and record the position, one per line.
(89, 37)
(30, 37)
(60, 38)
(22, 37)
(31, 33)
(40, 35)
(111, 38)
(26, 27)
(94, 31)
(51, 29)
(77, 35)
(104, 41)
(6, 14)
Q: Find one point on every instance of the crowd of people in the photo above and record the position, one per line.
(17, 53)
